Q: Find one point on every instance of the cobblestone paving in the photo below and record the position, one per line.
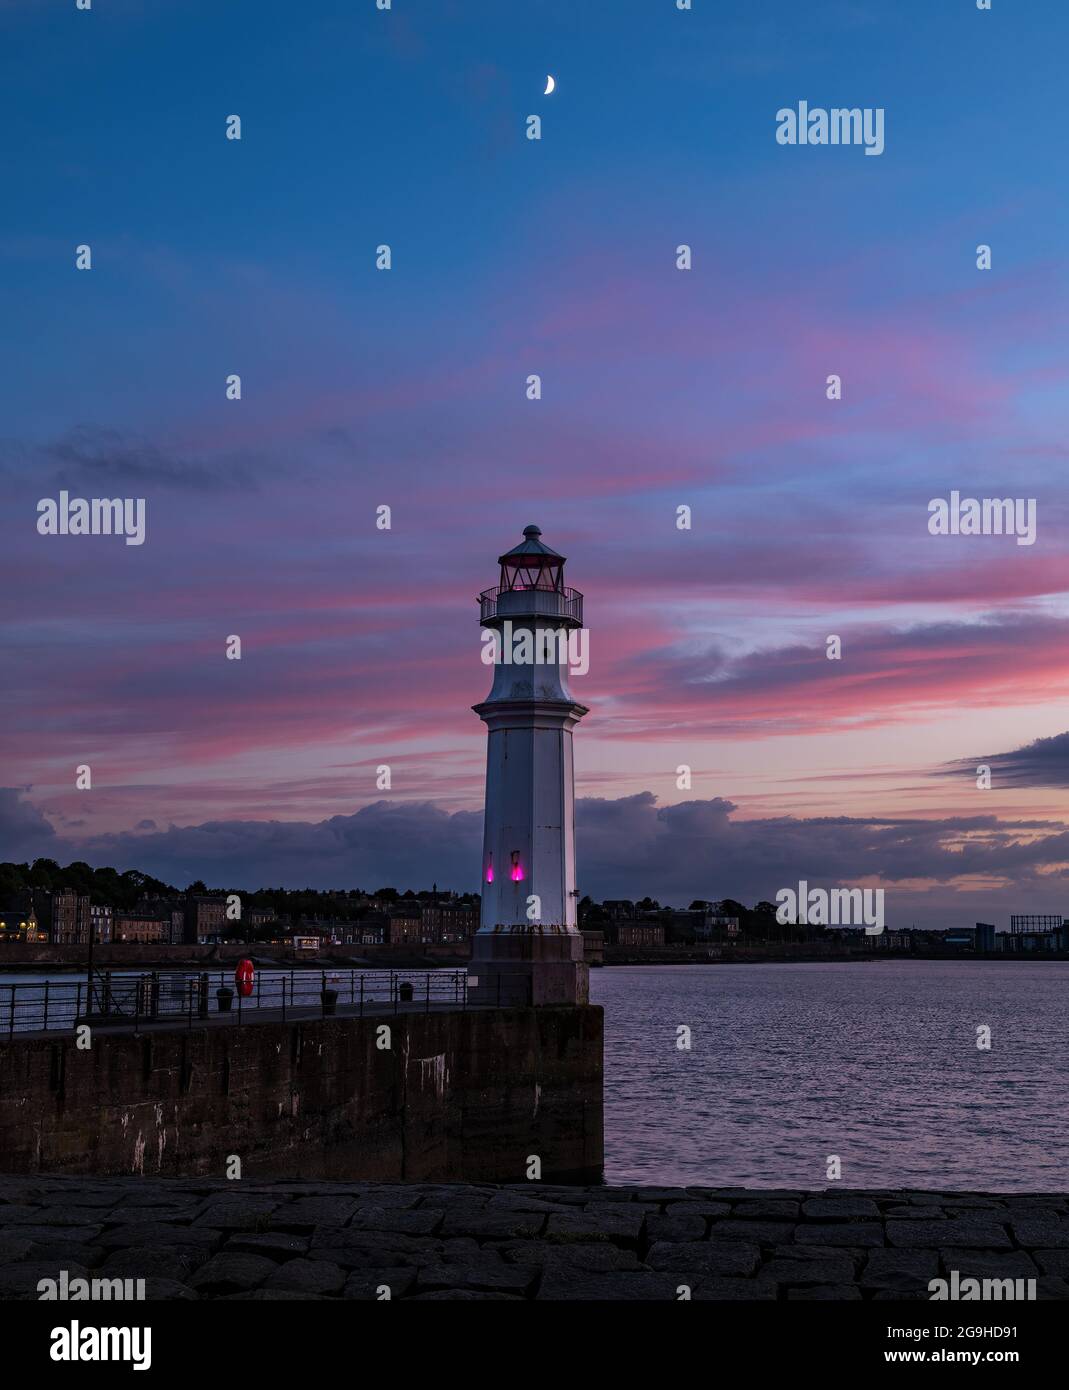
(304, 1240)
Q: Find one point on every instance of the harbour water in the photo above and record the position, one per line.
(874, 1062)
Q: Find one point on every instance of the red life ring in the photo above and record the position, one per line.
(243, 977)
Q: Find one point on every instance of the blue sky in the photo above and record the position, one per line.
(660, 387)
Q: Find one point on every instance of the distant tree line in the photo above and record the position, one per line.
(105, 887)
(758, 921)
(123, 891)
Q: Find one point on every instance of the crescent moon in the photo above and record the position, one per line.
(551, 82)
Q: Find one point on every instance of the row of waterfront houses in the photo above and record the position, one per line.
(67, 918)
(622, 922)
(64, 917)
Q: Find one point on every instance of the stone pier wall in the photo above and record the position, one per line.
(455, 1096)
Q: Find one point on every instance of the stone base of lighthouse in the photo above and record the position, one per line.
(528, 965)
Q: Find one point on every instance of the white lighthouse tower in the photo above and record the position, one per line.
(528, 948)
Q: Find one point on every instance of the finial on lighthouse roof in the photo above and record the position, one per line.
(532, 530)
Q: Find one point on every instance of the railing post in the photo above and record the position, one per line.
(361, 996)
(428, 992)
(46, 1006)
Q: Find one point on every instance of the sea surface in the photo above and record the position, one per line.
(875, 1062)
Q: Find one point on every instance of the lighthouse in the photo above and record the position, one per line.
(528, 948)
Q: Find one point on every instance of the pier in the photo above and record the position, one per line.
(405, 1085)
(532, 1241)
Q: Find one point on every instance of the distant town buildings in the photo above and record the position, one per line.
(647, 925)
(144, 928)
(101, 922)
(313, 920)
(405, 928)
(205, 917)
(634, 933)
(981, 939)
(1049, 939)
(68, 918)
(18, 920)
(449, 920)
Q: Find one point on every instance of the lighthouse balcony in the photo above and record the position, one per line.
(564, 605)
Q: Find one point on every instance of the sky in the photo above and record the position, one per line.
(661, 388)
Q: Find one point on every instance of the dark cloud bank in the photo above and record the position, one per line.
(1044, 763)
(627, 848)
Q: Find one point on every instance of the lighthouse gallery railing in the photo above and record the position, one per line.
(568, 602)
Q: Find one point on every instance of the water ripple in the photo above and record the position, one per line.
(875, 1062)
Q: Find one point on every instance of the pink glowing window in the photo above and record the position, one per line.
(517, 872)
(490, 870)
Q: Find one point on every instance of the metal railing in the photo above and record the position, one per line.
(556, 603)
(176, 998)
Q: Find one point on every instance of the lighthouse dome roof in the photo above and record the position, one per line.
(529, 548)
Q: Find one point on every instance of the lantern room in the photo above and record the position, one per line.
(531, 564)
(531, 584)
